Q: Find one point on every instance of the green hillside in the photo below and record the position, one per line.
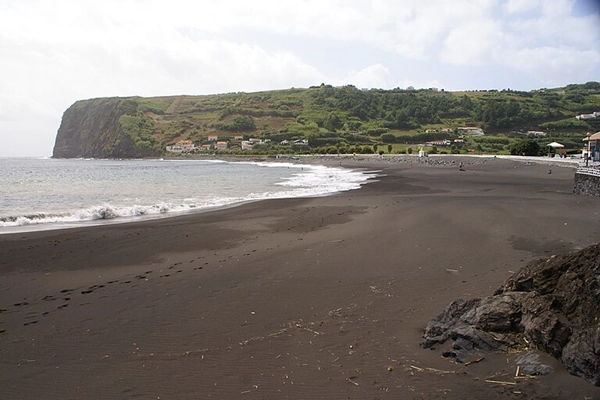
(347, 119)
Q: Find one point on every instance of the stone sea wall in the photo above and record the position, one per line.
(586, 184)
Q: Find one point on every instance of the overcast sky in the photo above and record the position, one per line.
(55, 52)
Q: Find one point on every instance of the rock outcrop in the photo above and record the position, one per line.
(93, 129)
(551, 304)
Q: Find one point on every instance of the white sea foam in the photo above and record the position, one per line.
(197, 189)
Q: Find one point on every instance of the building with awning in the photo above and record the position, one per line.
(593, 146)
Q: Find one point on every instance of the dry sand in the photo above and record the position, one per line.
(320, 298)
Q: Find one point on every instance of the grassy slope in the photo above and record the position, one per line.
(347, 116)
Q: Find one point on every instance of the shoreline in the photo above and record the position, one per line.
(111, 213)
(366, 163)
(322, 297)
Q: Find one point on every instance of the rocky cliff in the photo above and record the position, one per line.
(103, 128)
(551, 305)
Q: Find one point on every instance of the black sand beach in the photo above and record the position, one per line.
(318, 298)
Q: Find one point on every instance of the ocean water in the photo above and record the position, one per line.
(37, 194)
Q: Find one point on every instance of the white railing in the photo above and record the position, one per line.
(592, 169)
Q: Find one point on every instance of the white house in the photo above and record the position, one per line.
(444, 142)
(593, 115)
(183, 146)
(536, 133)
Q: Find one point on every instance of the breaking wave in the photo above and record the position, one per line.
(305, 181)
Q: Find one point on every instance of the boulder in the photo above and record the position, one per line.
(550, 304)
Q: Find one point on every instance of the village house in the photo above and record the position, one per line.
(593, 115)
(213, 138)
(536, 133)
(221, 145)
(442, 130)
(247, 145)
(444, 142)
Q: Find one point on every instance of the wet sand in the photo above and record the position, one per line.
(319, 298)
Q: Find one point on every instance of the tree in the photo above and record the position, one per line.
(239, 124)
(387, 137)
(389, 148)
(333, 122)
(526, 147)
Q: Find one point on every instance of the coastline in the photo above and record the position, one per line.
(294, 298)
(177, 187)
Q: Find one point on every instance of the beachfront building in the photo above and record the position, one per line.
(592, 147)
(221, 145)
(183, 146)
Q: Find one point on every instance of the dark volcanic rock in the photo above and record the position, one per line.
(92, 129)
(551, 304)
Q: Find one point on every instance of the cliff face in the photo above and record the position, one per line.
(92, 128)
